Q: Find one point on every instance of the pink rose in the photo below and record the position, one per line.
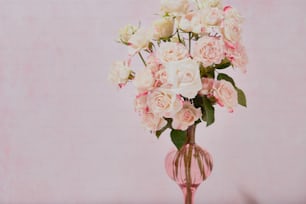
(164, 102)
(140, 103)
(153, 122)
(170, 51)
(238, 57)
(158, 71)
(207, 86)
(209, 50)
(226, 94)
(186, 116)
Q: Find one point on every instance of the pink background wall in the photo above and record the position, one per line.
(68, 136)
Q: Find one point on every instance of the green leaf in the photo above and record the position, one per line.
(225, 77)
(225, 63)
(209, 111)
(179, 138)
(241, 97)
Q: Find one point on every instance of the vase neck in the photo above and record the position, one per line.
(191, 134)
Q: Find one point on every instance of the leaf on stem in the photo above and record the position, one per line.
(225, 77)
(241, 97)
(209, 111)
(225, 63)
(179, 138)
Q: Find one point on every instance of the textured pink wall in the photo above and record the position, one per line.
(67, 136)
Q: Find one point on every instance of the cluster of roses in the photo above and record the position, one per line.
(178, 85)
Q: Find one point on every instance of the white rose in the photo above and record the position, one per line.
(209, 50)
(184, 77)
(153, 122)
(231, 31)
(170, 51)
(213, 16)
(120, 73)
(231, 13)
(174, 7)
(226, 94)
(140, 40)
(164, 102)
(209, 3)
(163, 28)
(126, 32)
(186, 116)
(143, 80)
(191, 22)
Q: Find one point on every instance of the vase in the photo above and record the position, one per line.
(189, 166)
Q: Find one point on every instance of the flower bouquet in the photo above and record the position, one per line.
(185, 53)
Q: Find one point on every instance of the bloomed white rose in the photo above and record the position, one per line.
(191, 22)
(209, 50)
(170, 51)
(231, 31)
(231, 13)
(143, 80)
(186, 116)
(184, 77)
(226, 94)
(209, 3)
(140, 40)
(163, 102)
(163, 28)
(175, 7)
(126, 32)
(119, 73)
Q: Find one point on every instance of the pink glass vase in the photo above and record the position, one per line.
(189, 166)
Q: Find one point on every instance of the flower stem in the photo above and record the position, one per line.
(189, 35)
(178, 35)
(142, 59)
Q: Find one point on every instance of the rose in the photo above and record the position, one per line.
(191, 22)
(186, 116)
(174, 7)
(164, 102)
(140, 103)
(158, 71)
(140, 40)
(143, 80)
(209, 50)
(163, 28)
(126, 32)
(208, 3)
(226, 94)
(231, 31)
(213, 16)
(120, 73)
(184, 77)
(207, 86)
(170, 51)
(231, 13)
(153, 122)
(238, 57)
